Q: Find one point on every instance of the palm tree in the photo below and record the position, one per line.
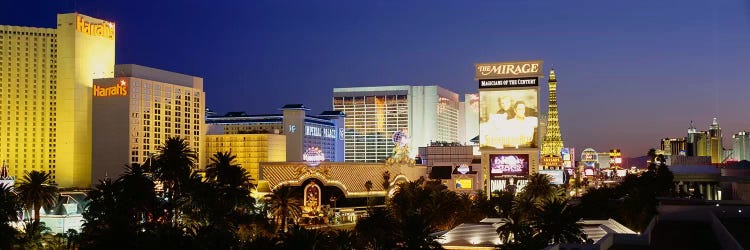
(515, 229)
(174, 165)
(220, 162)
(35, 192)
(175, 161)
(10, 205)
(524, 207)
(414, 232)
(539, 188)
(285, 205)
(343, 239)
(557, 223)
(377, 230)
(300, 238)
(136, 192)
(71, 237)
(368, 186)
(33, 234)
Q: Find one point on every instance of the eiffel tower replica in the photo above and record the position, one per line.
(553, 142)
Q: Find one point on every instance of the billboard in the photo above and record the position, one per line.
(464, 183)
(509, 118)
(498, 70)
(509, 165)
(555, 176)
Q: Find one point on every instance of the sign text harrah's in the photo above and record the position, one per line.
(105, 29)
(501, 70)
(120, 89)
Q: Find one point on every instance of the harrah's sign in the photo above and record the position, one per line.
(500, 70)
(120, 89)
(104, 29)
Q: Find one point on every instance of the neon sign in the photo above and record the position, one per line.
(120, 89)
(105, 29)
(463, 169)
(313, 156)
(320, 132)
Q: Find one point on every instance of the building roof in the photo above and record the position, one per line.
(349, 177)
(242, 117)
(295, 106)
(154, 74)
(484, 234)
(333, 113)
(235, 114)
(695, 170)
(473, 235)
(597, 229)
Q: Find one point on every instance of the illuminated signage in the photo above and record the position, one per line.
(464, 183)
(320, 132)
(313, 156)
(120, 89)
(463, 169)
(588, 172)
(342, 132)
(509, 165)
(508, 69)
(589, 157)
(622, 172)
(556, 176)
(500, 83)
(292, 128)
(615, 157)
(565, 152)
(400, 138)
(508, 118)
(104, 29)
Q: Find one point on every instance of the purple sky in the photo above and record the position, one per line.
(629, 72)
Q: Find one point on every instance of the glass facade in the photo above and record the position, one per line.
(370, 123)
(374, 114)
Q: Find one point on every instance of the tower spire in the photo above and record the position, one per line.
(553, 142)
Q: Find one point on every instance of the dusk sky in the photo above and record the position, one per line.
(629, 72)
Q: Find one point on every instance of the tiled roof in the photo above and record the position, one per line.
(349, 177)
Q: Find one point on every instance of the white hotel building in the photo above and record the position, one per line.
(373, 114)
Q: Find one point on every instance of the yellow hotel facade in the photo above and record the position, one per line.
(250, 150)
(46, 77)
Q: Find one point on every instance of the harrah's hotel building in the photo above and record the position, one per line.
(47, 109)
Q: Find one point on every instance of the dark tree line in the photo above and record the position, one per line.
(167, 204)
(633, 202)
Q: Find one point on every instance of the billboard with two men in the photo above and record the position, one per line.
(509, 104)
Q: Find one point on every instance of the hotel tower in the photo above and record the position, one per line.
(374, 114)
(136, 111)
(46, 77)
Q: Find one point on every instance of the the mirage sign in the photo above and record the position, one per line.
(501, 70)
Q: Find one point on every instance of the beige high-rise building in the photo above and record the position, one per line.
(46, 77)
(137, 110)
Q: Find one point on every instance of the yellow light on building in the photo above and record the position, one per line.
(250, 149)
(47, 115)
